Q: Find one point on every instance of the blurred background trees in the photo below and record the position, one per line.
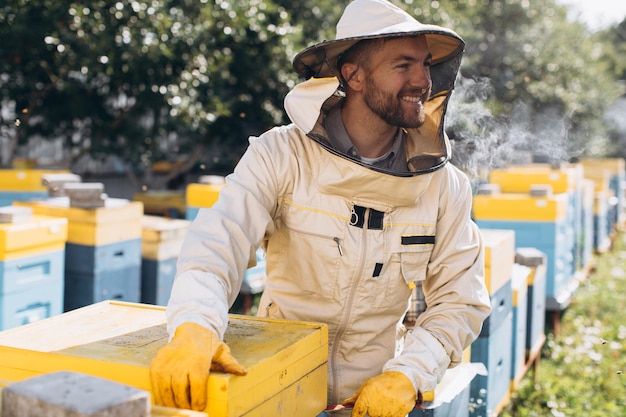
(187, 82)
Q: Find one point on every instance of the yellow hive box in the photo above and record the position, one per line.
(520, 178)
(510, 206)
(600, 176)
(25, 179)
(203, 195)
(499, 257)
(162, 237)
(286, 360)
(117, 221)
(40, 234)
(616, 166)
(601, 202)
(161, 202)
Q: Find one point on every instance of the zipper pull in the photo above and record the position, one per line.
(336, 239)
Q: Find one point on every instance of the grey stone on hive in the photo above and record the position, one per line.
(73, 394)
(55, 182)
(529, 256)
(85, 194)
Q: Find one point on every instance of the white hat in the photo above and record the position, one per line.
(370, 19)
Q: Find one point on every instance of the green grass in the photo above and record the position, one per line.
(582, 369)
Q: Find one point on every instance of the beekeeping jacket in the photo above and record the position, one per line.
(346, 243)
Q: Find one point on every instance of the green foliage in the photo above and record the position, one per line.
(582, 370)
(144, 80)
(165, 79)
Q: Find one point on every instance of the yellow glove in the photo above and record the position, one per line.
(180, 370)
(390, 394)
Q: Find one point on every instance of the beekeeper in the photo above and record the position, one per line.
(355, 203)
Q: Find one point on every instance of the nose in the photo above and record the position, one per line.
(420, 77)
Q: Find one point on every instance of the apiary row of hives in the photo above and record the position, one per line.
(542, 226)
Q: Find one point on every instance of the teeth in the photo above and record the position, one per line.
(411, 99)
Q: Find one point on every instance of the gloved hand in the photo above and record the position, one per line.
(180, 370)
(390, 394)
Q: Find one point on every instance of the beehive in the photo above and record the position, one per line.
(118, 220)
(27, 180)
(286, 360)
(162, 239)
(519, 285)
(31, 270)
(499, 257)
(200, 196)
(519, 178)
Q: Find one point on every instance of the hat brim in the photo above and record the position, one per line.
(320, 60)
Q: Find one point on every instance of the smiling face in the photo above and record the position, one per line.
(395, 79)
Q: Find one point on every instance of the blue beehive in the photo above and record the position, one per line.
(162, 239)
(102, 272)
(490, 393)
(538, 221)
(536, 305)
(31, 266)
(519, 285)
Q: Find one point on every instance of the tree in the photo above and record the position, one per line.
(534, 81)
(145, 81)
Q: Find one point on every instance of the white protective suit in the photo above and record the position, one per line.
(345, 244)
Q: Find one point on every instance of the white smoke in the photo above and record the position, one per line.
(482, 141)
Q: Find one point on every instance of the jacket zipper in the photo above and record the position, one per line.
(347, 311)
(334, 239)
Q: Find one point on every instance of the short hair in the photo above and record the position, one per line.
(360, 52)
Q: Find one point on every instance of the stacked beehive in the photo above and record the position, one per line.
(286, 360)
(162, 239)
(103, 250)
(542, 205)
(494, 346)
(609, 177)
(23, 185)
(31, 266)
(535, 260)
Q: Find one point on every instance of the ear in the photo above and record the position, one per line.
(353, 74)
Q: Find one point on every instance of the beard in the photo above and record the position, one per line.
(389, 107)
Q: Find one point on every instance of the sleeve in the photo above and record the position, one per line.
(455, 293)
(222, 241)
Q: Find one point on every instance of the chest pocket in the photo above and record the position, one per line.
(409, 249)
(310, 245)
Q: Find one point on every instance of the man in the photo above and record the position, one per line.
(355, 204)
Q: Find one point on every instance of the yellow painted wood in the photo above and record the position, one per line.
(616, 166)
(519, 283)
(600, 176)
(118, 340)
(499, 257)
(158, 202)
(115, 209)
(117, 221)
(161, 250)
(34, 236)
(601, 202)
(202, 195)
(520, 178)
(90, 234)
(25, 179)
(513, 206)
(31, 251)
(158, 229)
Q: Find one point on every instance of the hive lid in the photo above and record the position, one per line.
(15, 214)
